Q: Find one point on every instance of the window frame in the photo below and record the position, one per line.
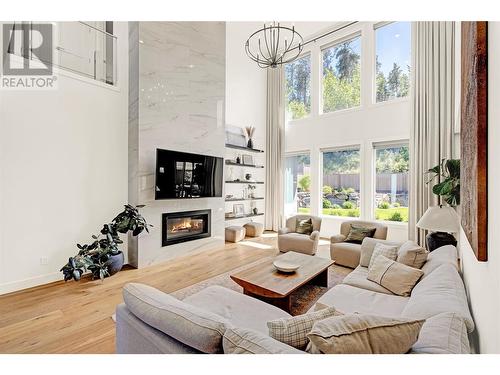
(374, 102)
(292, 154)
(332, 43)
(352, 146)
(377, 145)
(306, 53)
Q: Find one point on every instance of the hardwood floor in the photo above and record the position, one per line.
(75, 317)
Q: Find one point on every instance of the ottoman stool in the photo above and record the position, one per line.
(254, 229)
(235, 233)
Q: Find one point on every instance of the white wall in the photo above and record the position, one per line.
(246, 89)
(358, 126)
(482, 279)
(63, 171)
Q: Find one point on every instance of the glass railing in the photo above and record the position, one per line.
(84, 48)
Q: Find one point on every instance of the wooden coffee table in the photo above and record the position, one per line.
(264, 282)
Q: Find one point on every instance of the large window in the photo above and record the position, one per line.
(341, 182)
(342, 75)
(297, 184)
(392, 60)
(298, 88)
(391, 186)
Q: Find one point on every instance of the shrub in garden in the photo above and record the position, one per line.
(396, 216)
(347, 205)
(336, 206)
(327, 190)
(327, 203)
(384, 205)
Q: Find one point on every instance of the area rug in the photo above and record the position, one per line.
(302, 299)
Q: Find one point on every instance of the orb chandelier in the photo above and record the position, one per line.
(274, 45)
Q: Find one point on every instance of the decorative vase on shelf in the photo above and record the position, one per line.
(238, 160)
(255, 211)
(248, 176)
(250, 143)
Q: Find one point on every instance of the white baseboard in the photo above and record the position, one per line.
(15, 286)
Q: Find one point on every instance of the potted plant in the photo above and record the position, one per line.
(448, 186)
(102, 257)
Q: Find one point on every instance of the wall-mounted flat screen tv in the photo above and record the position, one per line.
(183, 175)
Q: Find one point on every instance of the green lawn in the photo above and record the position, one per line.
(380, 213)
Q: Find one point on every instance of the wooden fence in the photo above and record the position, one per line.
(352, 181)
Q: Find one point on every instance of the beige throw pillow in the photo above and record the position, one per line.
(412, 255)
(363, 334)
(390, 252)
(293, 331)
(396, 277)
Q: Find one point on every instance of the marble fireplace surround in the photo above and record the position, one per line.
(176, 102)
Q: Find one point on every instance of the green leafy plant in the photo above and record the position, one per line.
(348, 205)
(448, 175)
(96, 256)
(327, 203)
(304, 182)
(336, 206)
(384, 205)
(396, 216)
(327, 190)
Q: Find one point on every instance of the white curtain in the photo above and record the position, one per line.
(433, 112)
(275, 118)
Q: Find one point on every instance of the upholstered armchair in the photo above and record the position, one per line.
(348, 254)
(290, 240)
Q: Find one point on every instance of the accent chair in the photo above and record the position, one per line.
(290, 240)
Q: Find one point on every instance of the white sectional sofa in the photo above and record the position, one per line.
(151, 321)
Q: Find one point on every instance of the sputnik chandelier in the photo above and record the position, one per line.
(274, 45)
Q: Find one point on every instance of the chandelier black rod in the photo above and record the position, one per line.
(324, 35)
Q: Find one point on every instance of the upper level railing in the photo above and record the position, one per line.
(84, 48)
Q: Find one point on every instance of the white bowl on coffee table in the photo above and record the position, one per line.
(286, 266)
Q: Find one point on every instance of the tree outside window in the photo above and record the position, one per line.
(342, 75)
(392, 61)
(298, 88)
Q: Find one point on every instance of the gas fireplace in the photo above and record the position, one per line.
(185, 226)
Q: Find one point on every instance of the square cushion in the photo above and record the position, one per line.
(367, 249)
(396, 277)
(195, 327)
(246, 341)
(412, 255)
(358, 233)
(348, 300)
(390, 252)
(304, 226)
(236, 308)
(444, 333)
(363, 334)
(359, 279)
(293, 331)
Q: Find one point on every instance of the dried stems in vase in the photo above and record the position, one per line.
(249, 131)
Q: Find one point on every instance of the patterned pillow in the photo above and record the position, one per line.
(357, 234)
(293, 331)
(390, 252)
(304, 226)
